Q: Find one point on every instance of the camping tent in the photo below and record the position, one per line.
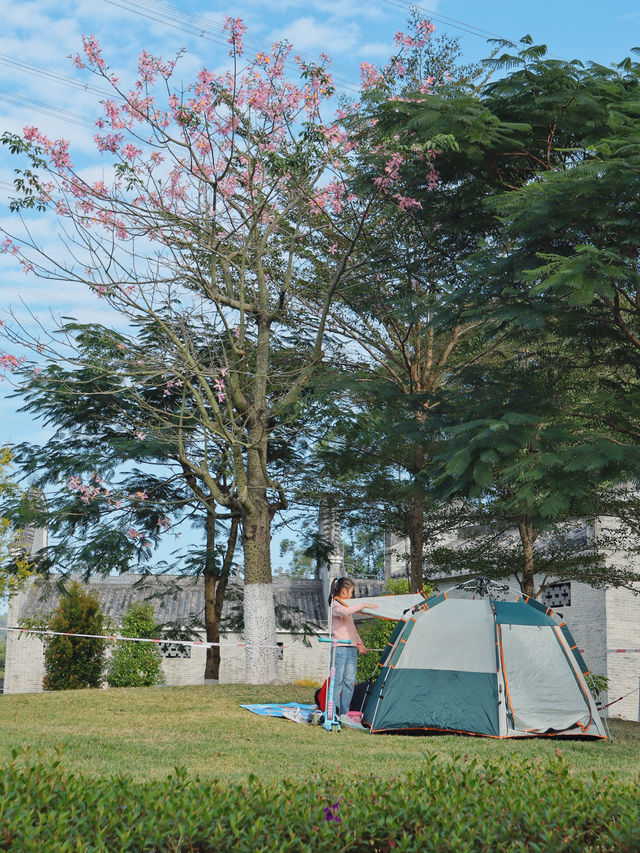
(483, 667)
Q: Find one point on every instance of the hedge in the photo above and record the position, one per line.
(455, 807)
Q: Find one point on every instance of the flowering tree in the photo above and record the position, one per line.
(226, 229)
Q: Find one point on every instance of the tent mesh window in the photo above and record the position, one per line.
(557, 595)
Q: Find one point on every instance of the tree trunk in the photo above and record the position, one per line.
(416, 541)
(527, 538)
(259, 610)
(416, 521)
(215, 586)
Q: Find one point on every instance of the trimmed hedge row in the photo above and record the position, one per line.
(458, 808)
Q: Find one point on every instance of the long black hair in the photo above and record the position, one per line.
(338, 586)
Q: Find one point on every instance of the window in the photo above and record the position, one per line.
(174, 650)
(557, 595)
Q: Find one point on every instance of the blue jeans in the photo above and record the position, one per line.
(346, 660)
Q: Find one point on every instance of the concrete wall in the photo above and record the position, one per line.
(623, 670)
(25, 662)
(24, 666)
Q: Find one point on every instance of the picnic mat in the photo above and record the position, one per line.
(277, 710)
(299, 713)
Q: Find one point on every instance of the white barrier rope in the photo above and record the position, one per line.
(203, 643)
(611, 651)
(206, 644)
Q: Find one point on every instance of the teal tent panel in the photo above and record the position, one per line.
(431, 602)
(412, 699)
(520, 613)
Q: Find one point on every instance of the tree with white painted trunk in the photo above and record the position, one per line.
(223, 229)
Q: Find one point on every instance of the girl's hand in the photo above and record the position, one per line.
(362, 649)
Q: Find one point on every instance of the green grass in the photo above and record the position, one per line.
(147, 732)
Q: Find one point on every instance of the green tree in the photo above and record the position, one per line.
(405, 337)
(540, 432)
(15, 566)
(115, 492)
(527, 468)
(71, 663)
(136, 664)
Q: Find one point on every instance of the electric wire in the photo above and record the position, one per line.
(45, 109)
(433, 15)
(204, 28)
(53, 75)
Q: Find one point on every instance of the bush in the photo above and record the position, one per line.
(442, 807)
(74, 662)
(136, 664)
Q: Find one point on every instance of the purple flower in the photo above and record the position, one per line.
(331, 812)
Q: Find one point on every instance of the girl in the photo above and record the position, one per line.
(343, 628)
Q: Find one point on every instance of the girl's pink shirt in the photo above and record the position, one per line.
(342, 625)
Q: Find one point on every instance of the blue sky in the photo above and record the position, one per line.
(39, 86)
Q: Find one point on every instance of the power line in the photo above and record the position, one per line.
(53, 75)
(203, 28)
(444, 19)
(45, 109)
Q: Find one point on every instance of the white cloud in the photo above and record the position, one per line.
(310, 34)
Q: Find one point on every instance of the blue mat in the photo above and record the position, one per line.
(275, 710)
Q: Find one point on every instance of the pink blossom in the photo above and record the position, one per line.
(407, 203)
(333, 248)
(9, 362)
(92, 51)
(130, 152)
(132, 533)
(370, 76)
(8, 246)
(236, 29)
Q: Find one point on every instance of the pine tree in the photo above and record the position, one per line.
(74, 662)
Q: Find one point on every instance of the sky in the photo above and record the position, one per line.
(40, 86)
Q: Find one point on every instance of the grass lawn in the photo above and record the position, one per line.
(147, 732)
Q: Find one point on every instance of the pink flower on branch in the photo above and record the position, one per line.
(9, 362)
(407, 203)
(236, 29)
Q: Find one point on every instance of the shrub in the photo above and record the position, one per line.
(74, 662)
(442, 807)
(136, 664)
